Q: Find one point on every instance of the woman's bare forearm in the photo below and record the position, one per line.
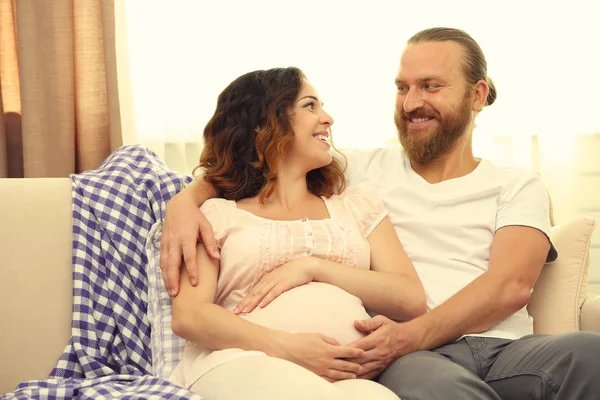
(214, 327)
(390, 294)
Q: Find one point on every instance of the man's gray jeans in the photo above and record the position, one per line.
(557, 367)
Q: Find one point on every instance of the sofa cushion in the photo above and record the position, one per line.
(561, 288)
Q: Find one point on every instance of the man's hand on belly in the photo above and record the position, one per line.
(385, 343)
(295, 273)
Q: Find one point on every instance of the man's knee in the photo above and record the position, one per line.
(583, 348)
(548, 366)
(430, 376)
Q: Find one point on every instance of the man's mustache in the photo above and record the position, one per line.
(419, 113)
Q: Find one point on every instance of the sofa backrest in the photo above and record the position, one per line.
(36, 277)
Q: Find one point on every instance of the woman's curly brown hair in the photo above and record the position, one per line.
(246, 137)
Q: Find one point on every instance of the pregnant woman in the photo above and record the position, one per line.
(302, 256)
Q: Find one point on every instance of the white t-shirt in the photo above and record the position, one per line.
(447, 228)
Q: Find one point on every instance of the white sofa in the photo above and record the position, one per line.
(35, 279)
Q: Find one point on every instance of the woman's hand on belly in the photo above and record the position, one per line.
(314, 307)
(320, 354)
(295, 273)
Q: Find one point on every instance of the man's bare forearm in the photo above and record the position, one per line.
(201, 190)
(479, 306)
(517, 257)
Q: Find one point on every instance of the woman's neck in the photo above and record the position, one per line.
(290, 200)
(290, 191)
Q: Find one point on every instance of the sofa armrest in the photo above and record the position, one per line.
(590, 314)
(36, 272)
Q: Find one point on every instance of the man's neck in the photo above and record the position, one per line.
(458, 162)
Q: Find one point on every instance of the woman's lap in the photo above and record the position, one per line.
(265, 378)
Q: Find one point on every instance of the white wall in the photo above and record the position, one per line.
(176, 56)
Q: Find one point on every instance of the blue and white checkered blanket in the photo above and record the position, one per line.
(108, 355)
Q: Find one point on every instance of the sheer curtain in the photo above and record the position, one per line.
(542, 56)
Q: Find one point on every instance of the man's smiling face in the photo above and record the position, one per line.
(434, 103)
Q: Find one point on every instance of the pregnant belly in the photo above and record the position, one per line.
(314, 308)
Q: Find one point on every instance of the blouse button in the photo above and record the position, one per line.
(304, 219)
(308, 253)
(309, 233)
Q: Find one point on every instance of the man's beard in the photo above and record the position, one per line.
(439, 142)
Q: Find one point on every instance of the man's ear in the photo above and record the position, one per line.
(481, 93)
